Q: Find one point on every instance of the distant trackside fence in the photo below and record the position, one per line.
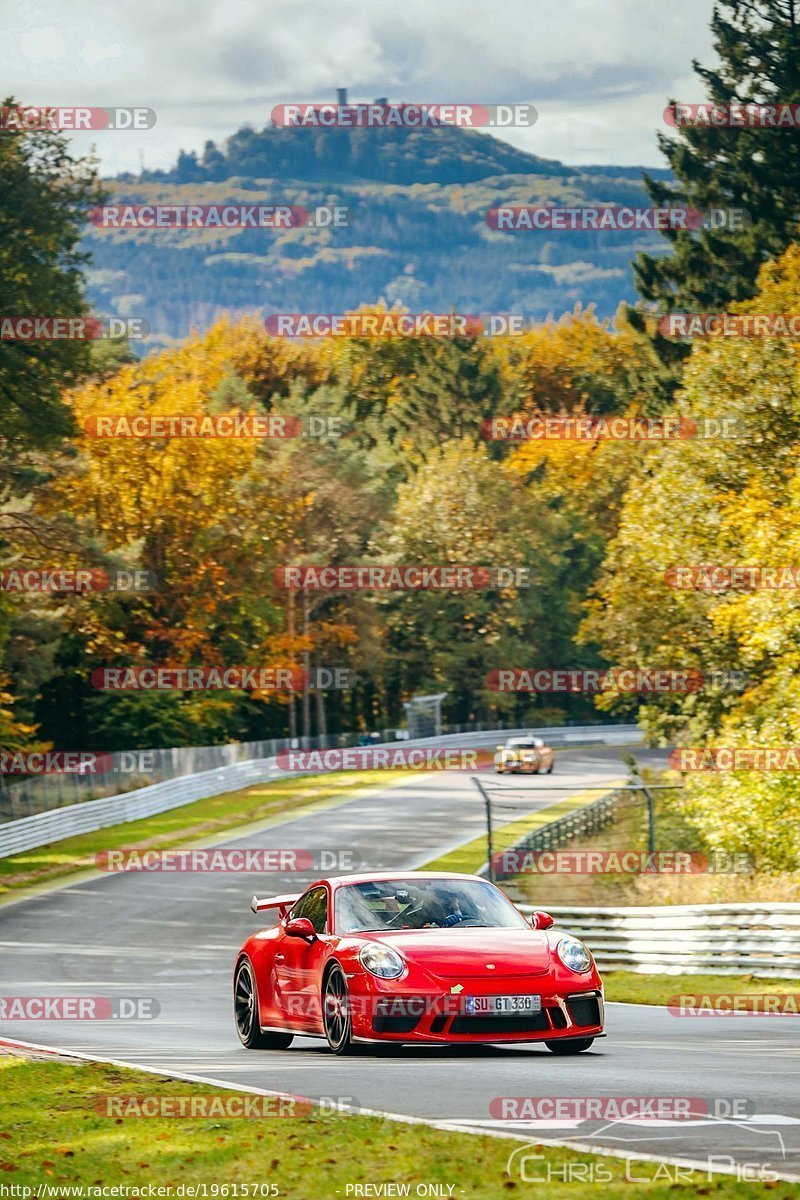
(56, 823)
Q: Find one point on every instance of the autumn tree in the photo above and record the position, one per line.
(45, 195)
(728, 496)
(463, 508)
(188, 509)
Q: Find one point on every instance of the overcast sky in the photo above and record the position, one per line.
(598, 71)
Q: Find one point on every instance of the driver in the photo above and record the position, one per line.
(454, 913)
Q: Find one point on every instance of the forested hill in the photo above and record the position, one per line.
(417, 237)
(447, 155)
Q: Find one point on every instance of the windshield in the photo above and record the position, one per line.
(528, 744)
(423, 904)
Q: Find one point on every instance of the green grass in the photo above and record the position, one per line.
(633, 988)
(54, 1135)
(204, 819)
(472, 855)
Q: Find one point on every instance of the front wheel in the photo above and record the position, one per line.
(570, 1046)
(336, 1013)
(245, 1012)
(550, 769)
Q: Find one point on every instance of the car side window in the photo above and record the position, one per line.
(313, 905)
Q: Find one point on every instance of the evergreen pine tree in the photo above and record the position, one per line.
(756, 169)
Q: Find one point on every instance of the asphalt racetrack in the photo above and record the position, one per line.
(173, 937)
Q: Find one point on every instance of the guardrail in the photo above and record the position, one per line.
(42, 828)
(759, 939)
(128, 770)
(587, 820)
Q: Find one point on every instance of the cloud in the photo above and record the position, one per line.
(599, 71)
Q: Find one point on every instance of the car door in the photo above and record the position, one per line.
(298, 964)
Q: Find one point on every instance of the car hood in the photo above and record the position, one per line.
(466, 953)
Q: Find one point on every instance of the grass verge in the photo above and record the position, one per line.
(204, 819)
(632, 988)
(54, 1135)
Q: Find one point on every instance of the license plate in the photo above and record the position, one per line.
(480, 1005)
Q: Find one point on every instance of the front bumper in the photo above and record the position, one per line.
(515, 767)
(441, 1017)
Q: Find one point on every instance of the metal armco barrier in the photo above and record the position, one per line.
(760, 939)
(133, 769)
(587, 820)
(45, 827)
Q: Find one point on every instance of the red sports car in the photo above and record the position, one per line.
(421, 957)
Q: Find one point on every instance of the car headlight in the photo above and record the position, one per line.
(574, 955)
(381, 961)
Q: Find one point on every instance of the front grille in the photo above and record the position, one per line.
(498, 1023)
(584, 1010)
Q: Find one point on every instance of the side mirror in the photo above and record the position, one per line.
(541, 920)
(300, 927)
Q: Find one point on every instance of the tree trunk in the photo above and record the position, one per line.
(290, 631)
(322, 723)
(306, 671)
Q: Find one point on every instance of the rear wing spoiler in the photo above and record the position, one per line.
(282, 903)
